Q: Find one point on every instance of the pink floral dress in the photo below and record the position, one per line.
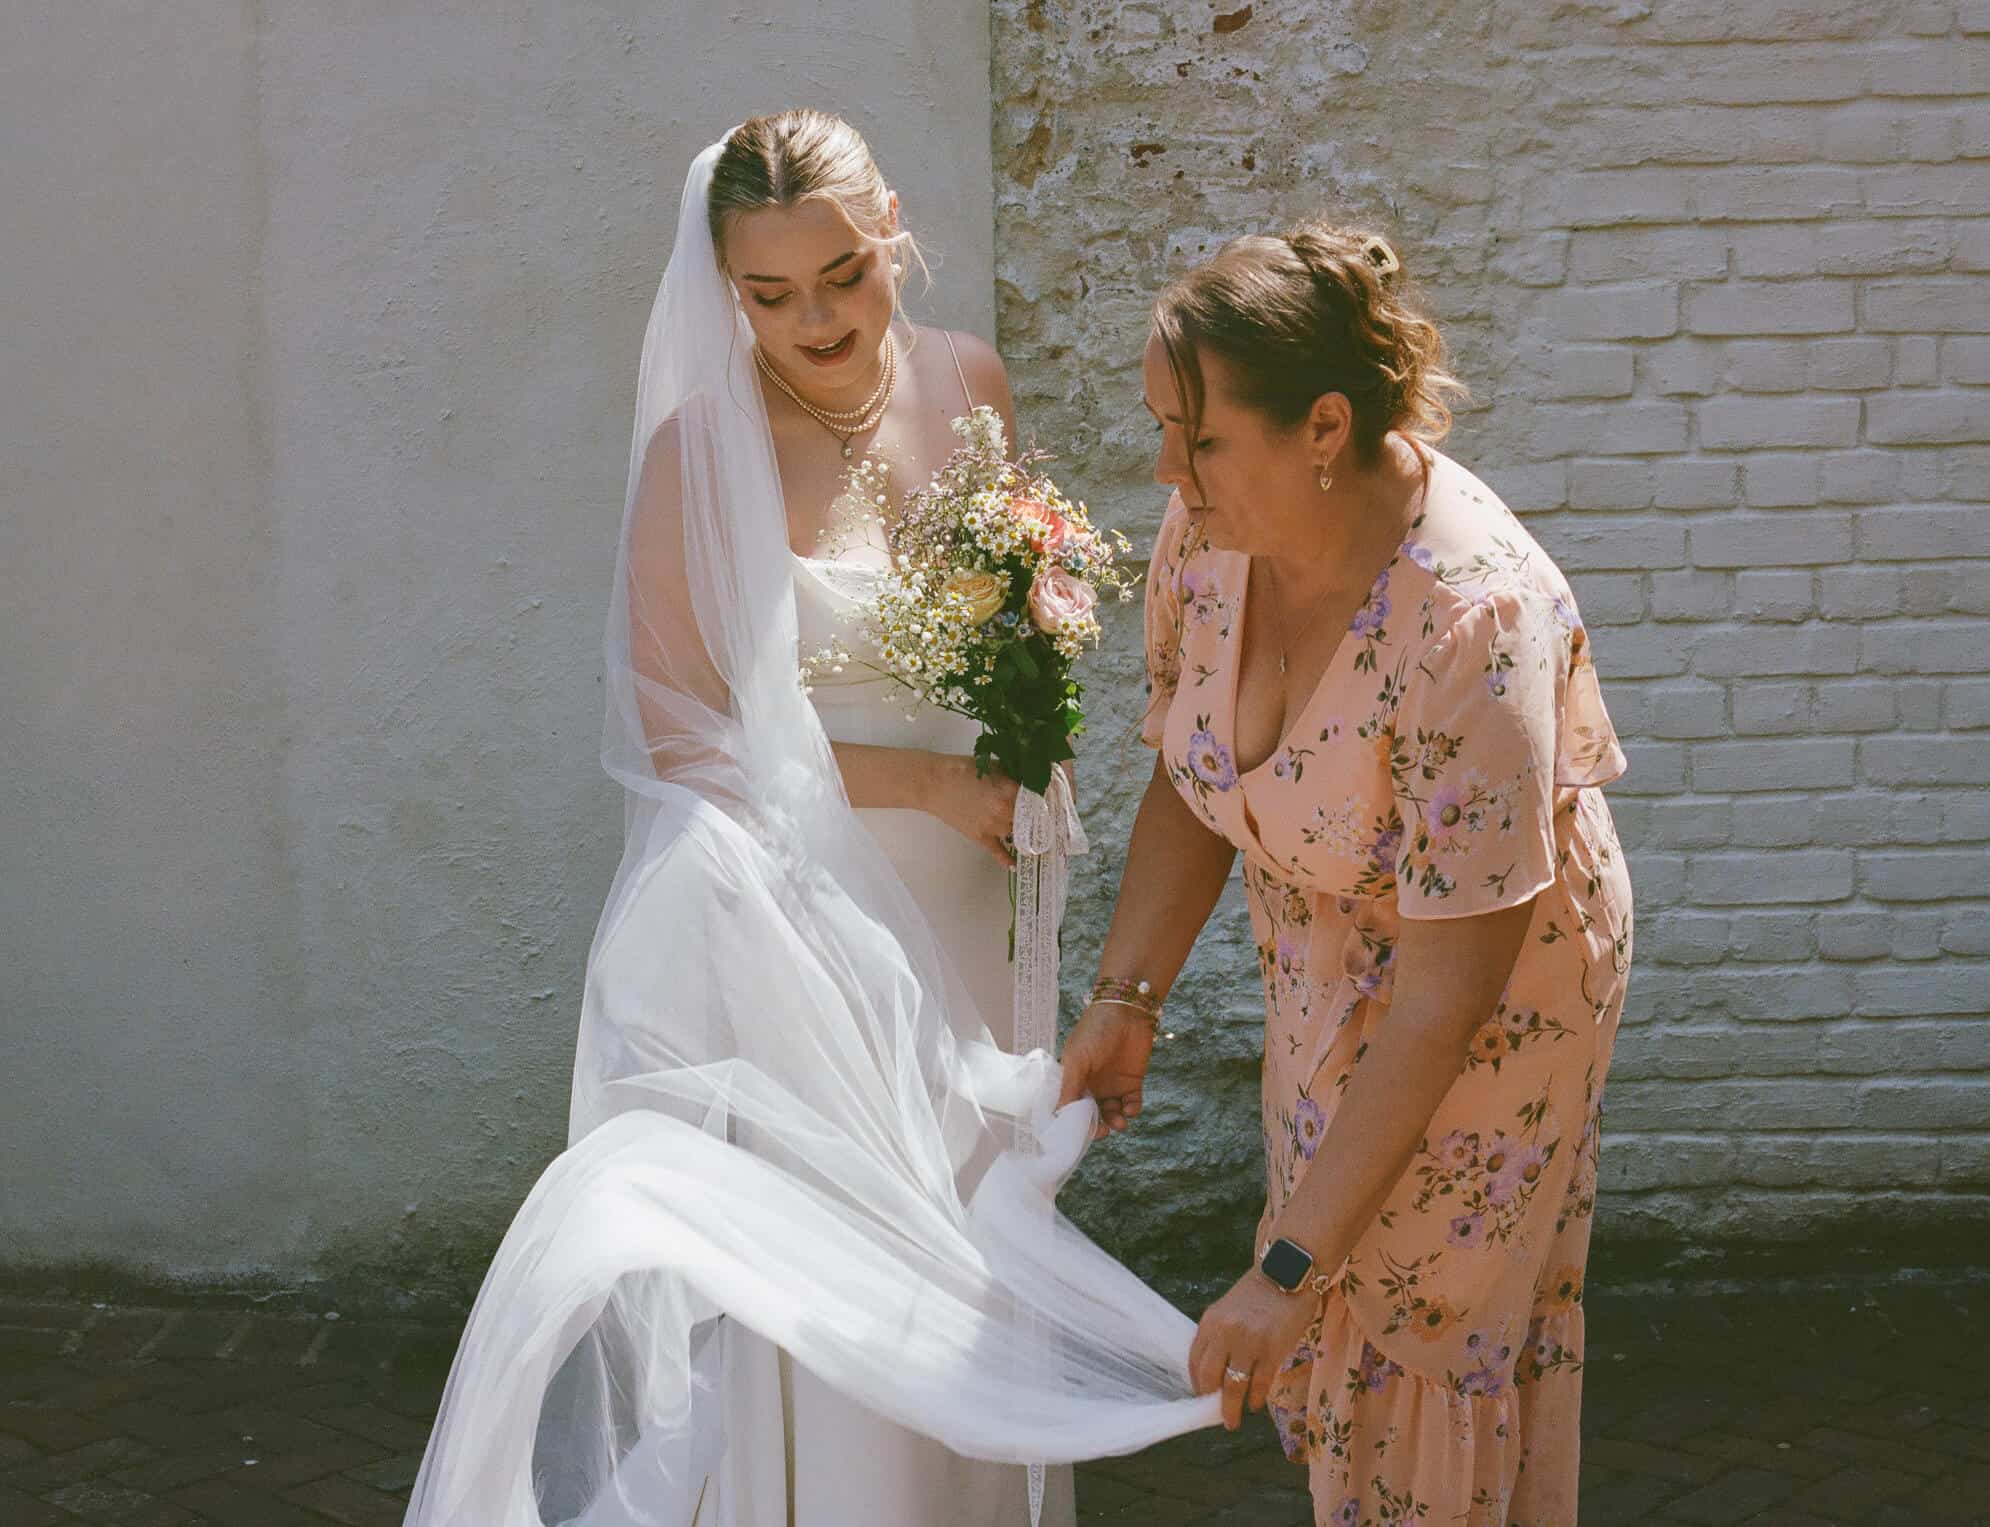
(1446, 766)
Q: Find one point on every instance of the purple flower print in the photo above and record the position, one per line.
(1566, 613)
(1368, 619)
(1290, 953)
(1376, 1370)
(1291, 1425)
(1210, 762)
(1484, 1381)
(1496, 682)
(1447, 818)
(1347, 1513)
(1447, 805)
(1499, 1155)
(1455, 1150)
(1468, 1232)
(1421, 554)
(1383, 850)
(1192, 583)
(1309, 1125)
(1519, 1168)
(1528, 1161)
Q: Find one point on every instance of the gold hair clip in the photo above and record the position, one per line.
(1376, 252)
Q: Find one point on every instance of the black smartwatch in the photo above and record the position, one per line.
(1286, 1264)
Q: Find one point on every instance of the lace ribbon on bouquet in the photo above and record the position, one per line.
(1047, 834)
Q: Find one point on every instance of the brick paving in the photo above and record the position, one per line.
(1775, 1405)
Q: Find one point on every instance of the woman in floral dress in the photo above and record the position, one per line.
(1368, 678)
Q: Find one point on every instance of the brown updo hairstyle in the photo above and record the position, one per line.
(803, 155)
(1318, 309)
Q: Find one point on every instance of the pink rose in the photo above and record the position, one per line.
(1056, 597)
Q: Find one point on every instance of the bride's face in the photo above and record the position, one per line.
(818, 293)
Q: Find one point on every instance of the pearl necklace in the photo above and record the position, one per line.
(848, 423)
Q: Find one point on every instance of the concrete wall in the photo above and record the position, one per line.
(318, 333)
(1715, 272)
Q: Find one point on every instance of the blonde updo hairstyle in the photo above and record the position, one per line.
(805, 155)
(1319, 309)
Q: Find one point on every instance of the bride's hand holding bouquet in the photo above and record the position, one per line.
(991, 597)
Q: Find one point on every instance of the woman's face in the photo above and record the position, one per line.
(819, 295)
(1256, 486)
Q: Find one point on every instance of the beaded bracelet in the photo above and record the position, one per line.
(1138, 995)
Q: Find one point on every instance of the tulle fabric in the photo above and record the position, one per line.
(787, 1118)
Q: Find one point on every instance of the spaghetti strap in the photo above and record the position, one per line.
(965, 391)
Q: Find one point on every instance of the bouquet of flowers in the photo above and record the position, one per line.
(991, 597)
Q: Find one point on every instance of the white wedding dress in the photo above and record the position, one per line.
(805, 1219)
(843, 1465)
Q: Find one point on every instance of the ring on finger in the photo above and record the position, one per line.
(1235, 1375)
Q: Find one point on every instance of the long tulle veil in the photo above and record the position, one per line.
(789, 1125)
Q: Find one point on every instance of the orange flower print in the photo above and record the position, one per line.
(1383, 740)
(1431, 1318)
(1565, 1288)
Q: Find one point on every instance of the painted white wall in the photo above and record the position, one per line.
(318, 331)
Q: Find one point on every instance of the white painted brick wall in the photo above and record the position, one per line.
(1714, 271)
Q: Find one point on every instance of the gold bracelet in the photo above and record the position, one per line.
(1148, 1013)
(1134, 994)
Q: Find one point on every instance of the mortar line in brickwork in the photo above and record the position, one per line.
(166, 1328)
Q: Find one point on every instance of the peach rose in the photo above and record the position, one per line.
(984, 594)
(1048, 531)
(1057, 597)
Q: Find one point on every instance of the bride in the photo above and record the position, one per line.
(799, 1263)
(806, 230)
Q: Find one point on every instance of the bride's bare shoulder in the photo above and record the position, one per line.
(666, 439)
(980, 363)
(978, 358)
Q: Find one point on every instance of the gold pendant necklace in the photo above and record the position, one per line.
(845, 424)
(1278, 600)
